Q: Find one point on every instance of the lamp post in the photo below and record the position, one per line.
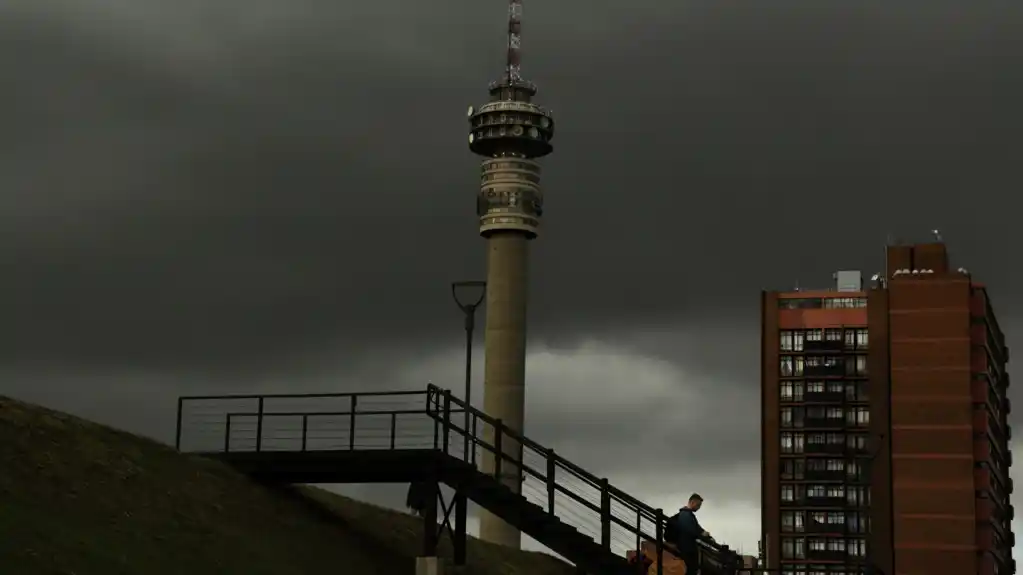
(468, 295)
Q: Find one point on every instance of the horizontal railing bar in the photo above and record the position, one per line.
(578, 498)
(322, 413)
(304, 395)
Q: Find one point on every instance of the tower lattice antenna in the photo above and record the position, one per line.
(513, 69)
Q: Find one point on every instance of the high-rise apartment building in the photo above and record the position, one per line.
(884, 430)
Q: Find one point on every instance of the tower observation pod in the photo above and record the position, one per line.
(511, 133)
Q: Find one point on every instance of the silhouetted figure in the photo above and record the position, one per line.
(419, 494)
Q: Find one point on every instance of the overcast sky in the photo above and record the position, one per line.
(207, 196)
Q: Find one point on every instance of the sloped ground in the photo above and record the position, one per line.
(83, 499)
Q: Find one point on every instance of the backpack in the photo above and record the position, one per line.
(671, 529)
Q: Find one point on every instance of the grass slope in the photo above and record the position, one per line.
(84, 499)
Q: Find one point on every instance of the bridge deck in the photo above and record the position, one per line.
(338, 466)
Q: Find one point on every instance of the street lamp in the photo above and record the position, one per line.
(468, 295)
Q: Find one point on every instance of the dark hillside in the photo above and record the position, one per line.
(84, 499)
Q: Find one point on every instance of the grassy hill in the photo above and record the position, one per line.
(78, 498)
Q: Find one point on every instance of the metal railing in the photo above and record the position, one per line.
(304, 422)
(435, 419)
(611, 508)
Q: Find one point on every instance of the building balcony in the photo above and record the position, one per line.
(824, 449)
(825, 555)
(824, 345)
(824, 475)
(836, 370)
(825, 528)
(825, 501)
(823, 397)
(823, 423)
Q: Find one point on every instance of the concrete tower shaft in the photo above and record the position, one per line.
(511, 132)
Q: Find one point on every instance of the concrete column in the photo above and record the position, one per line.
(505, 364)
(429, 566)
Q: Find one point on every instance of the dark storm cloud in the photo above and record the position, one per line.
(203, 184)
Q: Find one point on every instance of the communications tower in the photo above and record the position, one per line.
(510, 132)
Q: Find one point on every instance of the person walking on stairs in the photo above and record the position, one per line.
(683, 531)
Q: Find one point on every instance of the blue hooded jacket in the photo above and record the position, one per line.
(687, 530)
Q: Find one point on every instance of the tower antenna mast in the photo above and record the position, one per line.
(513, 66)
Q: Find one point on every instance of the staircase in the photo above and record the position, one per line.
(543, 524)
(288, 446)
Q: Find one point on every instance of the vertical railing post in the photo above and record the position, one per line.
(394, 428)
(447, 419)
(605, 514)
(551, 480)
(498, 448)
(351, 423)
(227, 434)
(475, 437)
(259, 425)
(305, 431)
(659, 544)
(639, 529)
(177, 431)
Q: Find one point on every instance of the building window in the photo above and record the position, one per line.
(836, 491)
(792, 521)
(834, 413)
(857, 548)
(858, 496)
(858, 416)
(791, 391)
(800, 303)
(850, 339)
(814, 335)
(792, 442)
(854, 470)
(835, 464)
(786, 366)
(791, 417)
(834, 438)
(832, 334)
(788, 493)
(856, 391)
(792, 468)
(798, 340)
(785, 339)
(815, 387)
(844, 302)
(815, 490)
(816, 544)
(793, 548)
(856, 365)
(857, 522)
(861, 339)
(857, 442)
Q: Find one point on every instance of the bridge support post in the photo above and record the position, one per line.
(431, 534)
(428, 566)
(459, 536)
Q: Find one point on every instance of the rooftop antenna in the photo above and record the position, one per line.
(513, 65)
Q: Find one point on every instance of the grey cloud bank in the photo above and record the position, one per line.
(253, 195)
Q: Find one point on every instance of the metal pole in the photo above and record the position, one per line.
(470, 324)
(469, 311)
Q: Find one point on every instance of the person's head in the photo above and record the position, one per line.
(695, 501)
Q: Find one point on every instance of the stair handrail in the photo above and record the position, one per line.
(452, 404)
